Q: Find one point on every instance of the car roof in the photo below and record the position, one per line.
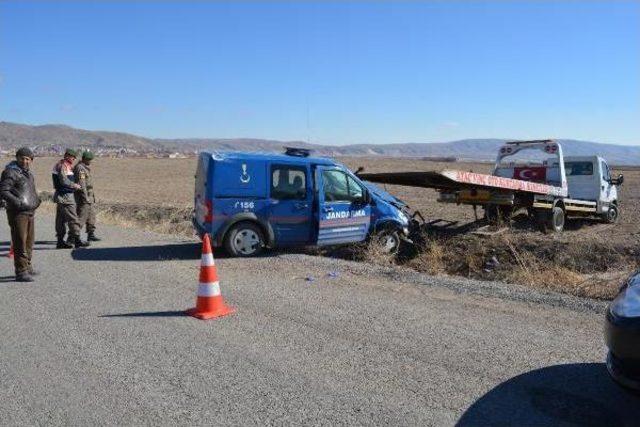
(219, 155)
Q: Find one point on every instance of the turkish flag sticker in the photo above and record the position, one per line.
(535, 174)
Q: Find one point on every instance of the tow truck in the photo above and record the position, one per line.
(550, 188)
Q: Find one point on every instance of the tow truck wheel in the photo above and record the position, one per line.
(244, 239)
(491, 214)
(556, 219)
(498, 215)
(612, 214)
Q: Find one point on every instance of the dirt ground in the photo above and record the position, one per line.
(589, 258)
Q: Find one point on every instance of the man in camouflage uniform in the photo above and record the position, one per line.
(66, 216)
(85, 198)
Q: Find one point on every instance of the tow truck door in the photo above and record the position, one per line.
(343, 213)
(608, 192)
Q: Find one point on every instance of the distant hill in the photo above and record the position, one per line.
(55, 137)
(13, 135)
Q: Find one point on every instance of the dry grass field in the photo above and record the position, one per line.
(589, 259)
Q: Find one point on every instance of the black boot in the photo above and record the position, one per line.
(63, 245)
(24, 277)
(91, 237)
(79, 243)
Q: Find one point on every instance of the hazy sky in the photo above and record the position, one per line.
(332, 73)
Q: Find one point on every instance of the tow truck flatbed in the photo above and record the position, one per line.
(450, 179)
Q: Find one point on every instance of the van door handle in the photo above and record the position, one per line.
(301, 205)
(327, 209)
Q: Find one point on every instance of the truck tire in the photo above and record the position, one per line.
(612, 215)
(556, 219)
(244, 239)
(498, 215)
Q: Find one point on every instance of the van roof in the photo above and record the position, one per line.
(269, 157)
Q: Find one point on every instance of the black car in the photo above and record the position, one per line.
(623, 334)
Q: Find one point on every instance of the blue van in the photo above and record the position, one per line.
(248, 201)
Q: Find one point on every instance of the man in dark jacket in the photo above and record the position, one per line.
(18, 190)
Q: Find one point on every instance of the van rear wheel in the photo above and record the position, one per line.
(244, 239)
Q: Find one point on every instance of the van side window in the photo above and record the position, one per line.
(339, 187)
(288, 183)
(355, 191)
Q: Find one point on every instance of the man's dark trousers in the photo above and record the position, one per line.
(22, 237)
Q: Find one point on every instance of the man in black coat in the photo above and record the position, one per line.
(18, 190)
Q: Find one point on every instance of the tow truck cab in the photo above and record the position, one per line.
(248, 201)
(589, 178)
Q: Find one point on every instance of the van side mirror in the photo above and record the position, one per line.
(618, 181)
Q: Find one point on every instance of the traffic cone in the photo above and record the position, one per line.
(209, 303)
(10, 254)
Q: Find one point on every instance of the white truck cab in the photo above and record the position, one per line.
(589, 178)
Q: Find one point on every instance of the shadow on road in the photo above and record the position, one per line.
(7, 279)
(149, 314)
(573, 394)
(180, 251)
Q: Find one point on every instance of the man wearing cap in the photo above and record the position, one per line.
(66, 216)
(18, 190)
(85, 197)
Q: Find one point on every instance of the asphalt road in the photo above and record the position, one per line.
(100, 338)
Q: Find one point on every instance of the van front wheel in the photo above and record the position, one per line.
(244, 239)
(387, 241)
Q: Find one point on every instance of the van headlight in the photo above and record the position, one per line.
(627, 303)
(403, 217)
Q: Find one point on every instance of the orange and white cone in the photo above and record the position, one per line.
(10, 254)
(209, 303)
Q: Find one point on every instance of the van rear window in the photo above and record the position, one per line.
(578, 168)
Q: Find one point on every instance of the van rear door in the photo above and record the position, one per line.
(343, 214)
(202, 201)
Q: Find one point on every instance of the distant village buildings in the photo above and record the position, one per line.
(108, 151)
